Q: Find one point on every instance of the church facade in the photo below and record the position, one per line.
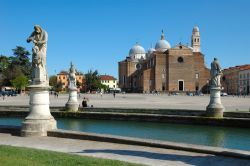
(164, 68)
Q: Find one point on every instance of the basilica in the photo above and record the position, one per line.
(180, 68)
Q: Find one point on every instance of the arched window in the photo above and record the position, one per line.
(198, 40)
(195, 40)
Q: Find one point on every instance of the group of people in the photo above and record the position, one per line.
(54, 93)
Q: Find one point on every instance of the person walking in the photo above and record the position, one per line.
(84, 102)
(114, 94)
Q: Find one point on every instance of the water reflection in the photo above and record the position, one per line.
(235, 138)
(216, 138)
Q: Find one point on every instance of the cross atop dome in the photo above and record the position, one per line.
(162, 35)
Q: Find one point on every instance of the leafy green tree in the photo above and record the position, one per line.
(78, 84)
(20, 82)
(93, 81)
(21, 58)
(4, 63)
(11, 73)
(13, 66)
(59, 86)
(53, 81)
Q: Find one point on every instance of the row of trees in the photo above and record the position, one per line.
(92, 82)
(15, 70)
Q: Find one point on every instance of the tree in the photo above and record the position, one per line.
(53, 81)
(93, 82)
(21, 58)
(4, 63)
(78, 84)
(59, 86)
(20, 82)
(13, 66)
(22, 54)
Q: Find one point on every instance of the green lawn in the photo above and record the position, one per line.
(12, 156)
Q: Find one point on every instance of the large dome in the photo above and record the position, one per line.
(136, 49)
(137, 52)
(162, 45)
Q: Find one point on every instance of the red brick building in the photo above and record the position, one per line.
(236, 80)
(165, 69)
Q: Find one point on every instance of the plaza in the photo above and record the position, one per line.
(146, 101)
(180, 102)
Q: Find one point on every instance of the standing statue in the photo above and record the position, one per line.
(72, 76)
(39, 37)
(39, 120)
(215, 108)
(215, 73)
(72, 104)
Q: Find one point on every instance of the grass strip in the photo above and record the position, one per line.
(13, 156)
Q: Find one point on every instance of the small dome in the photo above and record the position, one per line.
(162, 45)
(196, 29)
(137, 49)
(151, 50)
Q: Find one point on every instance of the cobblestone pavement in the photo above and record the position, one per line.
(129, 153)
(141, 101)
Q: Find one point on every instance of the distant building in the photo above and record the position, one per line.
(164, 68)
(236, 80)
(244, 80)
(109, 81)
(62, 77)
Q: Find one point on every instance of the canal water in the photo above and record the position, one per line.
(227, 137)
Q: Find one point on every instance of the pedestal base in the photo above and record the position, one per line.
(72, 104)
(39, 119)
(31, 127)
(72, 107)
(215, 108)
(215, 112)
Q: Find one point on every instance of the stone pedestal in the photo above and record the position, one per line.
(39, 119)
(72, 104)
(215, 108)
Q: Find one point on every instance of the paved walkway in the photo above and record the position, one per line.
(129, 153)
(141, 101)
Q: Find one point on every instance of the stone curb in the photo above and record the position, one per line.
(180, 119)
(14, 130)
(150, 143)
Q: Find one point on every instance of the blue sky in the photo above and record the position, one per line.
(96, 34)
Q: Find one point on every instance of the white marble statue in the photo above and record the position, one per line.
(215, 73)
(39, 120)
(72, 76)
(39, 37)
(215, 107)
(72, 104)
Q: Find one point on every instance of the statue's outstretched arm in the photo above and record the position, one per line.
(44, 40)
(31, 37)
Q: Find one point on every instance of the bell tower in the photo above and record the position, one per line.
(195, 39)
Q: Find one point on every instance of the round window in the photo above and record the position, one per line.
(138, 66)
(180, 60)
